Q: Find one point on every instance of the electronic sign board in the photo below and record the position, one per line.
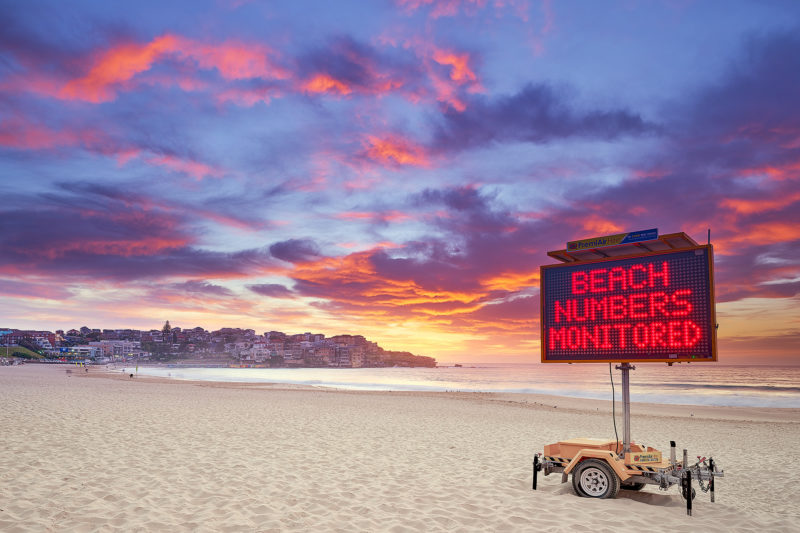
(655, 307)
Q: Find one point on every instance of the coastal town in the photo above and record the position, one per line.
(226, 347)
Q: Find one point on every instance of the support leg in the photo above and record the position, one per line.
(688, 492)
(711, 481)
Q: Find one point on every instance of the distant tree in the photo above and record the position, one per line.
(29, 344)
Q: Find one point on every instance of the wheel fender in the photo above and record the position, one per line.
(615, 463)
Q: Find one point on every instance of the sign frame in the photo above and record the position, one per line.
(711, 313)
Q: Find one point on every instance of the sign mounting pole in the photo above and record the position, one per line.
(626, 406)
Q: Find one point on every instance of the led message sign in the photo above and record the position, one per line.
(653, 307)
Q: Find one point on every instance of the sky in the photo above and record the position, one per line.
(391, 168)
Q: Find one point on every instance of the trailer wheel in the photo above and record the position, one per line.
(632, 486)
(593, 478)
(684, 491)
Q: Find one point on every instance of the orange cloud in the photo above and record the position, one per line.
(396, 150)
(759, 234)
(114, 66)
(459, 63)
(460, 76)
(749, 207)
(788, 171)
(601, 226)
(352, 280)
(323, 83)
(450, 317)
(511, 281)
(121, 63)
(235, 61)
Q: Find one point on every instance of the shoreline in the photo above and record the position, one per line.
(522, 398)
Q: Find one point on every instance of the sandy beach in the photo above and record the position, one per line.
(98, 452)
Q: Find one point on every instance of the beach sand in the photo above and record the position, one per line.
(100, 452)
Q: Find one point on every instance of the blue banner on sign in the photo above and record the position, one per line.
(639, 236)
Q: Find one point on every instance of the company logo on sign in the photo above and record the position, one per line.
(643, 308)
(613, 240)
(647, 458)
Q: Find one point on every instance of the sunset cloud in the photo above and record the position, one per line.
(380, 216)
(295, 250)
(113, 237)
(115, 66)
(536, 114)
(395, 150)
(460, 71)
(323, 83)
(349, 67)
(112, 68)
(402, 167)
(194, 169)
(20, 134)
(271, 290)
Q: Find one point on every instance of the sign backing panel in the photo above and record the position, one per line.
(655, 307)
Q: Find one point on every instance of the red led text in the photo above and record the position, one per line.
(620, 278)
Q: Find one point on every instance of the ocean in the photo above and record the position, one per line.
(698, 384)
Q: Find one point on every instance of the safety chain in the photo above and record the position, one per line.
(700, 482)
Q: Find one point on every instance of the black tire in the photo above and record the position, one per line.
(594, 478)
(683, 493)
(632, 486)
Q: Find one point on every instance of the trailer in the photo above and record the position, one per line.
(600, 471)
(632, 297)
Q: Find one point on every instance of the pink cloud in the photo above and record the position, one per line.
(385, 216)
(323, 83)
(191, 167)
(451, 74)
(22, 134)
(395, 150)
(114, 66)
(111, 69)
(443, 8)
(234, 60)
(460, 71)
